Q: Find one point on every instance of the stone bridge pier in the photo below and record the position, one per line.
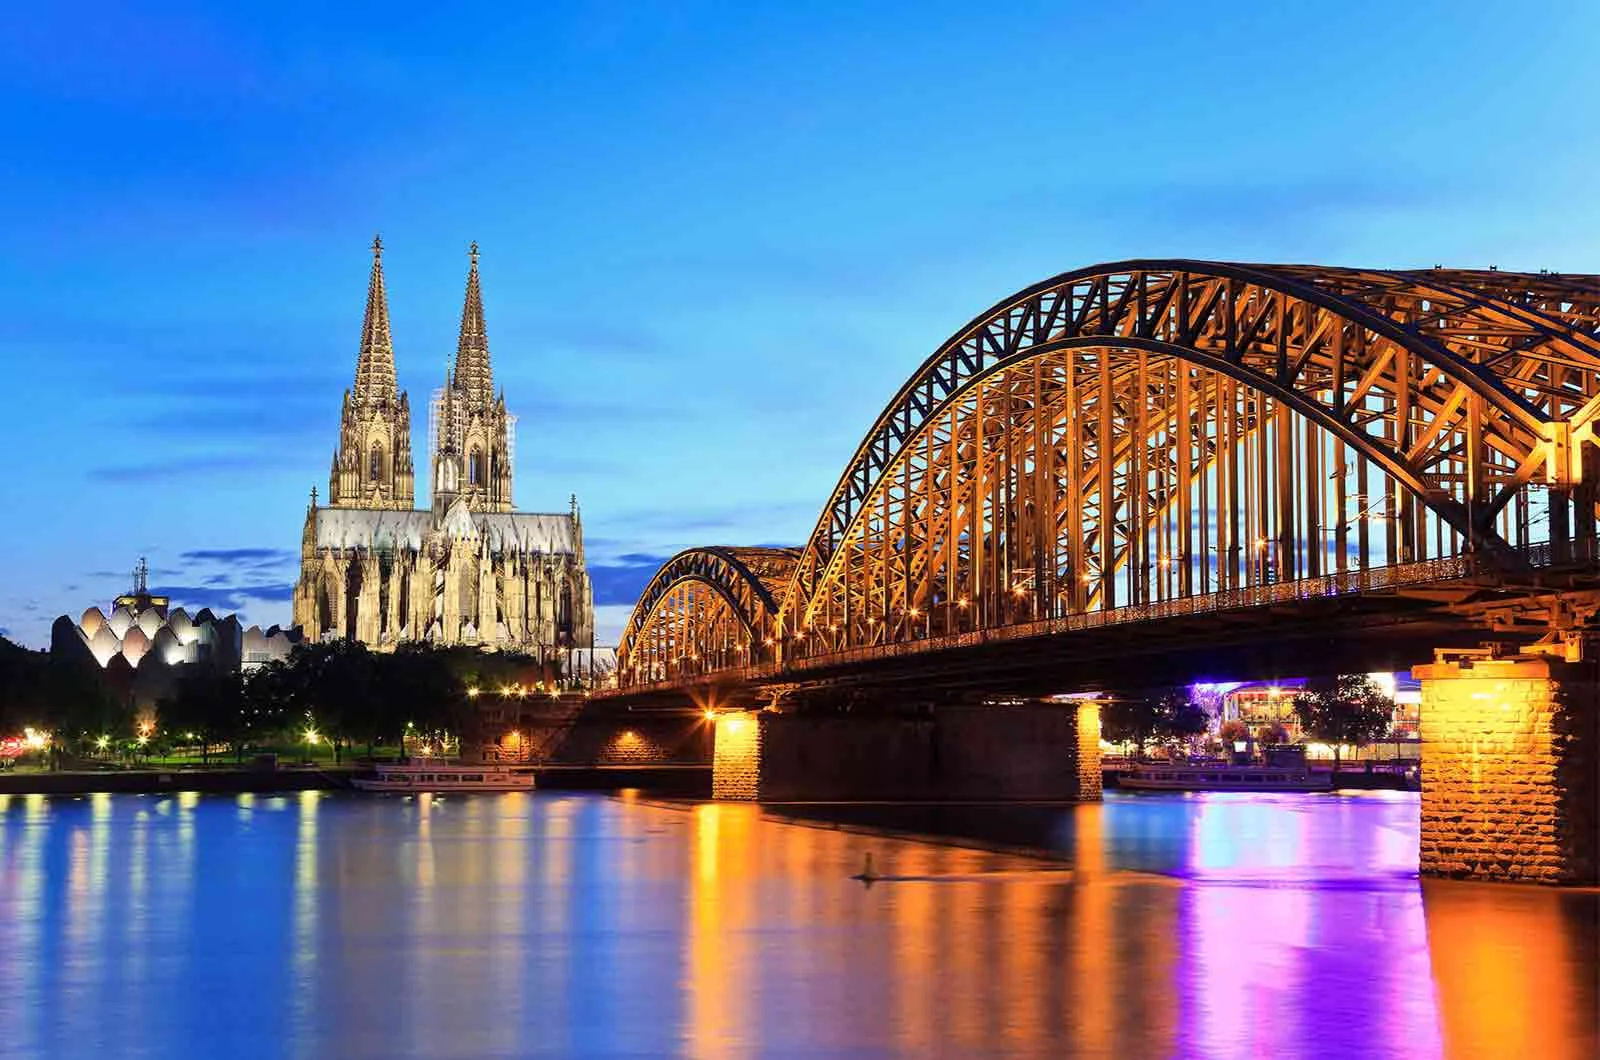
(1511, 766)
(1027, 751)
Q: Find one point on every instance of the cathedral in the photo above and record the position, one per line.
(467, 570)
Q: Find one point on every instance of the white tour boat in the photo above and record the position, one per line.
(1158, 777)
(444, 776)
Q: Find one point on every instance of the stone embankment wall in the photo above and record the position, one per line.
(1036, 751)
(1511, 769)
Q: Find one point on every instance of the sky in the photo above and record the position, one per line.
(715, 238)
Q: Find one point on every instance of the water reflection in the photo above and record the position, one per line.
(318, 925)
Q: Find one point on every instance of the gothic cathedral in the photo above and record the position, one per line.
(468, 570)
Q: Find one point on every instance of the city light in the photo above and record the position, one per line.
(102, 742)
(710, 714)
(312, 736)
(36, 739)
(472, 693)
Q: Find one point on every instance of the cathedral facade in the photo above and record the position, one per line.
(468, 569)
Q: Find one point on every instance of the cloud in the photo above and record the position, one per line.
(255, 556)
(621, 582)
(225, 598)
(197, 466)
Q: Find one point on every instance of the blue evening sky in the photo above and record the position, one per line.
(716, 237)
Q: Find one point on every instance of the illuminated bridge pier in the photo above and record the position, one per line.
(1156, 470)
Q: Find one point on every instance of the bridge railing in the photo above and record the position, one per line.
(1343, 583)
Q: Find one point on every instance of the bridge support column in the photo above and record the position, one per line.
(1511, 769)
(1032, 751)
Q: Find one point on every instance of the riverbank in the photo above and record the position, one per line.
(681, 781)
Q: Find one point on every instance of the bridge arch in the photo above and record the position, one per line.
(1458, 390)
(705, 609)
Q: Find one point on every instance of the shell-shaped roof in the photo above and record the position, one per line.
(182, 627)
(149, 621)
(134, 646)
(120, 621)
(91, 622)
(168, 648)
(104, 645)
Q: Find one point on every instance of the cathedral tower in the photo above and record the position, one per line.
(372, 466)
(473, 436)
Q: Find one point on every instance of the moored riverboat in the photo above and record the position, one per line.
(1157, 777)
(444, 776)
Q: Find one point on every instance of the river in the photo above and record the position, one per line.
(321, 925)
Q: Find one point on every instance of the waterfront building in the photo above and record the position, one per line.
(141, 643)
(142, 630)
(468, 569)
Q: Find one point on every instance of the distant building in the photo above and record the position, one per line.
(143, 640)
(467, 570)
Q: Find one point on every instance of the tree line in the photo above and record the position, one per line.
(337, 691)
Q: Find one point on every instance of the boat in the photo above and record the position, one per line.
(1223, 778)
(444, 776)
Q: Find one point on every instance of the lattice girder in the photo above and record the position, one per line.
(1463, 394)
(705, 609)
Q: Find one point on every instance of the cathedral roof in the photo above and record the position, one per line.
(501, 532)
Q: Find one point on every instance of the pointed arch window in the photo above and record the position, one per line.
(375, 463)
(475, 468)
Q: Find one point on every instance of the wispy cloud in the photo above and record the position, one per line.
(253, 556)
(200, 465)
(226, 598)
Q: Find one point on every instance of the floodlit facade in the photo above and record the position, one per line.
(142, 644)
(469, 569)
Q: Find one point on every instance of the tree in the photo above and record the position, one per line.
(209, 702)
(1349, 709)
(1140, 717)
(415, 685)
(1180, 717)
(1232, 732)
(1129, 718)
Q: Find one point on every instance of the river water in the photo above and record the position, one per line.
(320, 925)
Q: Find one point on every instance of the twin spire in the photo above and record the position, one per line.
(375, 382)
(472, 373)
(375, 375)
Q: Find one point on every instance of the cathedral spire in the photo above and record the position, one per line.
(375, 382)
(472, 372)
(372, 466)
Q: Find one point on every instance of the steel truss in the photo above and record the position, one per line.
(1150, 431)
(707, 609)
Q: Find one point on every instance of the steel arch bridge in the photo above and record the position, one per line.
(1153, 432)
(707, 609)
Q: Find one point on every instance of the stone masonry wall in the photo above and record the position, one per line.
(1036, 751)
(736, 760)
(1511, 770)
(1090, 777)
